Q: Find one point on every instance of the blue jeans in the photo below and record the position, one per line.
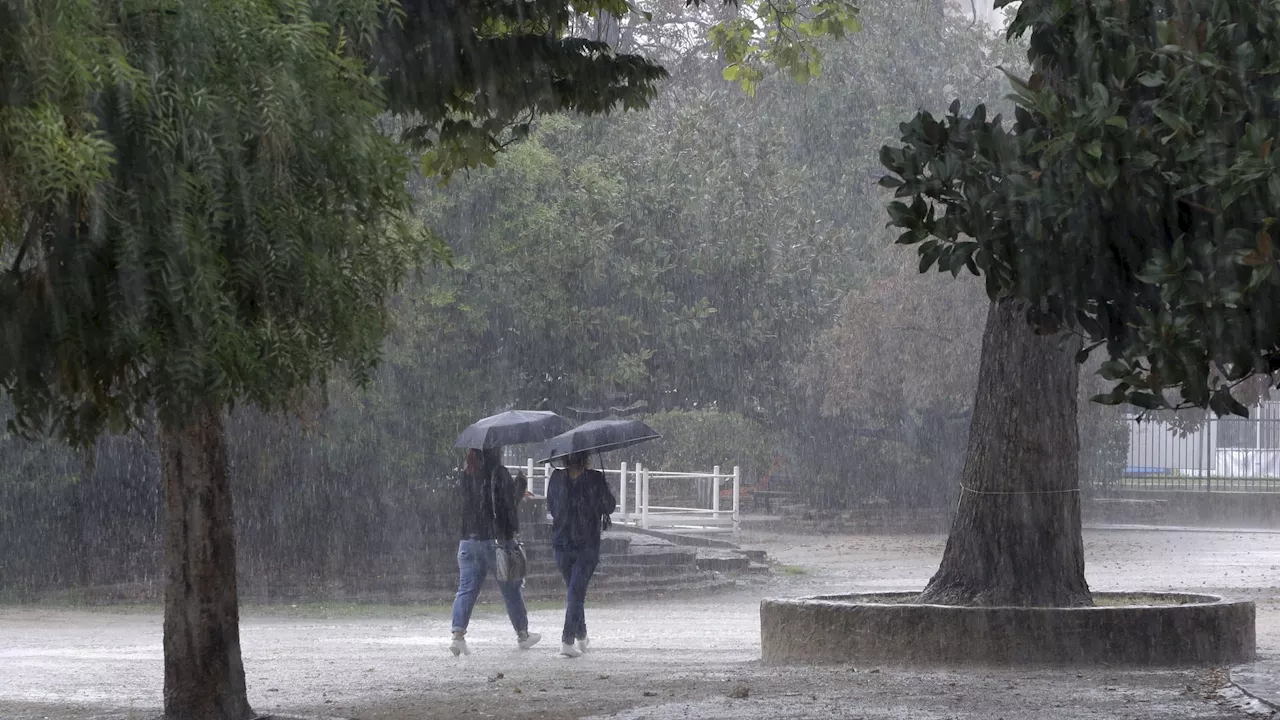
(576, 566)
(475, 557)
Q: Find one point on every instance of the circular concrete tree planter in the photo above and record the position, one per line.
(1152, 629)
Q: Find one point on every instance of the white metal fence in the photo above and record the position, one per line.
(633, 487)
(1211, 454)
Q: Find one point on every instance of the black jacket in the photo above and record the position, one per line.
(489, 504)
(578, 509)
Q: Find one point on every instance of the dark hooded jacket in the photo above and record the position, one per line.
(489, 503)
(578, 509)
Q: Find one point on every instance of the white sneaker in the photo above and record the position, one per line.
(584, 643)
(570, 651)
(528, 641)
(459, 645)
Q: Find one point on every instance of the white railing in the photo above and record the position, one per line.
(633, 493)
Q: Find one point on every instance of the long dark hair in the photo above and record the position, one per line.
(472, 463)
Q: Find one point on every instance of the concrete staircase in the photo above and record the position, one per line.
(630, 563)
(633, 563)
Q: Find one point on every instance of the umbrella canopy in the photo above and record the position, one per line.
(597, 436)
(513, 427)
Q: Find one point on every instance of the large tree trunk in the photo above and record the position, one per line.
(203, 673)
(1016, 536)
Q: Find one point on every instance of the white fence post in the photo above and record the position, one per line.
(715, 492)
(529, 474)
(639, 475)
(737, 487)
(546, 478)
(622, 491)
(644, 499)
(639, 511)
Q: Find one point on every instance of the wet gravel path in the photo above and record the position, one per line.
(657, 659)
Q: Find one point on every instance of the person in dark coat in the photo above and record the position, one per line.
(489, 499)
(580, 502)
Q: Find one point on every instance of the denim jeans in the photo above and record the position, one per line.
(475, 558)
(576, 566)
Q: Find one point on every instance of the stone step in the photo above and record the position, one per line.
(738, 562)
(554, 583)
(489, 597)
(545, 554)
(638, 584)
(691, 586)
(608, 544)
(673, 558)
(538, 586)
(688, 586)
(548, 561)
(642, 570)
(626, 570)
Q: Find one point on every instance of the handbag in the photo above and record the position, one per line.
(512, 564)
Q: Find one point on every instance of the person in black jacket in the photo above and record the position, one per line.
(580, 502)
(489, 498)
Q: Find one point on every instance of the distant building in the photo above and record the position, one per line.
(1228, 447)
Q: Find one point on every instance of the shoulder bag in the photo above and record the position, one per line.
(512, 564)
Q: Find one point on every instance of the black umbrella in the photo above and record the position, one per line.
(597, 436)
(513, 427)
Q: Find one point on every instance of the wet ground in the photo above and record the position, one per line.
(656, 659)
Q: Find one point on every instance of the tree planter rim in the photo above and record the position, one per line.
(844, 600)
(1186, 629)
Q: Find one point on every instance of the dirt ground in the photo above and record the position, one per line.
(652, 659)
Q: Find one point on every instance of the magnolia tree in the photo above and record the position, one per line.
(1127, 210)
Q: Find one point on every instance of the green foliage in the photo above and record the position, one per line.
(346, 501)
(467, 77)
(702, 439)
(470, 78)
(1131, 201)
(688, 256)
(602, 274)
(206, 210)
(781, 34)
(69, 518)
(897, 373)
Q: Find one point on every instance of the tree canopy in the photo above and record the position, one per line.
(1132, 199)
(776, 189)
(199, 208)
(175, 236)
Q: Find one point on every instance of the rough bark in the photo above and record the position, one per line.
(203, 672)
(1016, 536)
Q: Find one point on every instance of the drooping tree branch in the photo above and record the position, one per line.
(38, 220)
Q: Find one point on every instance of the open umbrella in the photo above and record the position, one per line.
(597, 436)
(513, 427)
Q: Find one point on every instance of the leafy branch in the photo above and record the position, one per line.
(782, 34)
(1132, 200)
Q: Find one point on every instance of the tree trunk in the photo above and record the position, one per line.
(203, 673)
(1016, 536)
